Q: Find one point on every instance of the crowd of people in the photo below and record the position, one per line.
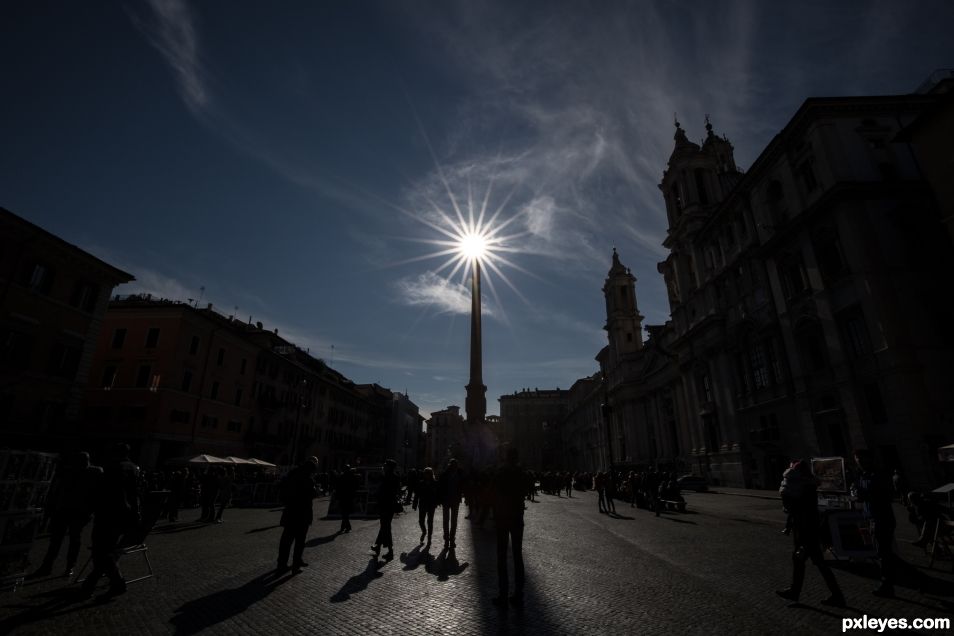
(120, 501)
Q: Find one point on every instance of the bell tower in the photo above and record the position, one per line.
(624, 326)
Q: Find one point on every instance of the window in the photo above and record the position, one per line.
(41, 279)
(742, 373)
(811, 347)
(214, 393)
(15, 349)
(675, 194)
(854, 331)
(109, 376)
(221, 359)
(143, 375)
(774, 364)
(242, 367)
(700, 176)
(806, 171)
(234, 426)
(791, 270)
(178, 417)
(154, 383)
(705, 388)
(119, 337)
(152, 338)
(186, 381)
(828, 252)
(238, 397)
(194, 346)
(64, 360)
(629, 336)
(210, 422)
(759, 368)
(84, 296)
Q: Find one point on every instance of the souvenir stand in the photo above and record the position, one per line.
(846, 529)
(25, 478)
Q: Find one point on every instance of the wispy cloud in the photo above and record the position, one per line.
(438, 294)
(170, 28)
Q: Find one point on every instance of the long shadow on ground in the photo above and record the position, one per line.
(359, 582)
(205, 612)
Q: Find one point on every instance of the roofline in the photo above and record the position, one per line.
(809, 109)
(125, 277)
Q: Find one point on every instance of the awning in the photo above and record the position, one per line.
(946, 453)
(207, 459)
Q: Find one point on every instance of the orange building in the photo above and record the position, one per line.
(171, 380)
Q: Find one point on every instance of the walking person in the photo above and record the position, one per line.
(70, 507)
(600, 483)
(803, 508)
(388, 493)
(508, 516)
(116, 512)
(425, 502)
(345, 491)
(224, 495)
(298, 491)
(451, 490)
(873, 489)
(209, 485)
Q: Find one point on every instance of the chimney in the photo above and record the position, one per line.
(276, 331)
(209, 306)
(258, 325)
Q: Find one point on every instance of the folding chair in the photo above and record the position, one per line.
(135, 542)
(943, 541)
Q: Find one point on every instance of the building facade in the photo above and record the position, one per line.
(809, 303)
(531, 421)
(52, 299)
(174, 380)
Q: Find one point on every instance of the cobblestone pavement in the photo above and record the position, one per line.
(713, 569)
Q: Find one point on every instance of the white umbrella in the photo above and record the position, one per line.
(238, 460)
(261, 462)
(946, 453)
(207, 459)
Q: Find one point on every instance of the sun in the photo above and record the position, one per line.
(473, 246)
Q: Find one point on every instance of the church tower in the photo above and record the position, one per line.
(697, 178)
(623, 323)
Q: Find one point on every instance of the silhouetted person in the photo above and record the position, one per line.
(116, 512)
(874, 490)
(70, 506)
(297, 492)
(388, 492)
(451, 491)
(224, 492)
(345, 491)
(425, 502)
(209, 485)
(803, 509)
(600, 483)
(177, 492)
(508, 515)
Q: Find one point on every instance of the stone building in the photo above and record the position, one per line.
(52, 299)
(445, 434)
(174, 380)
(806, 317)
(809, 304)
(531, 422)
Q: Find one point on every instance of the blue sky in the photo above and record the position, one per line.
(291, 158)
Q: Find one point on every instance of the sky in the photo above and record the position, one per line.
(292, 162)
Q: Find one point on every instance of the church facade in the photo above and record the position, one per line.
(810, 303)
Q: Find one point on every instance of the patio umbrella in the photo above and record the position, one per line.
(207, 459)
(261, 462)
(946, 453)
(238, 460)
